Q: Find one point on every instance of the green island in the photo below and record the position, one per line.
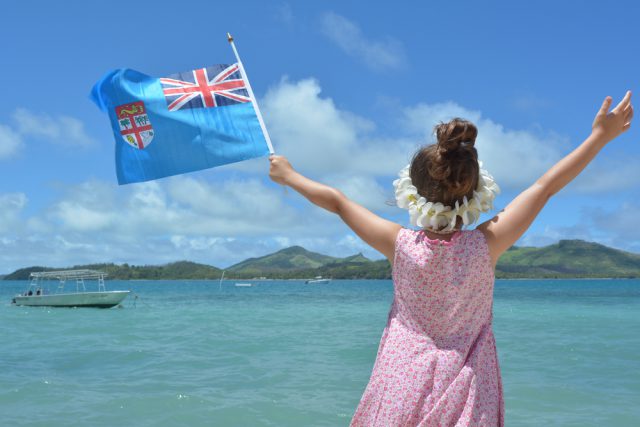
(565, 259)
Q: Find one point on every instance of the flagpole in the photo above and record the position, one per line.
(251, 95)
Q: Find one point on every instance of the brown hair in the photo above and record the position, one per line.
(448, 170)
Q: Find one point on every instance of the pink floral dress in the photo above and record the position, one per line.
(437, 363)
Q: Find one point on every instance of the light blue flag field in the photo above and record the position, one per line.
(181, 123)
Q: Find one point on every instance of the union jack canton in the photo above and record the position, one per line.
(196, 89)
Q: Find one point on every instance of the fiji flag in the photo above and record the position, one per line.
(182, 123)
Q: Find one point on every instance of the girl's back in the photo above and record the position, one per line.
(443, 289)
(437, 361)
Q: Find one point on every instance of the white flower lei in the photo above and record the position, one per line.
(436, 216)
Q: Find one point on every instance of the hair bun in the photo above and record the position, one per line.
(455, 159)
(455, 135)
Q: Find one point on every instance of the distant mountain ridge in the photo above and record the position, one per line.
(175, 270)
(565, 259)
(575, 258)
(296, 262)
(292, 258)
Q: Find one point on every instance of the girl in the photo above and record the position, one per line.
(437, 363)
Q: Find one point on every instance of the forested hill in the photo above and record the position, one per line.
(297, 262)
(574, 258)
(175, 270)
(567, 258)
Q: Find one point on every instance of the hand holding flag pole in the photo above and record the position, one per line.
(243, 73)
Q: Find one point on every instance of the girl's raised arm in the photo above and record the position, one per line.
(378, 232)
(503, 230)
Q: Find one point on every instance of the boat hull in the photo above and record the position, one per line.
(105, 299)
(318, 281)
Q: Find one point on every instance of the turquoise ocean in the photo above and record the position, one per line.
(283, 353)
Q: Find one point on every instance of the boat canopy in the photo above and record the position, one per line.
(70, 275)
(63, 275)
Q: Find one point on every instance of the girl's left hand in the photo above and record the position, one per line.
(280, 169)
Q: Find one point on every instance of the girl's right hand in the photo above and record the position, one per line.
(280, 169)
(609, 125)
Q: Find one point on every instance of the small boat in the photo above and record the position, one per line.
(318, 280)
(37, 295)
(244, 285)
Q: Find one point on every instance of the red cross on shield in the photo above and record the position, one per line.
(135, 126)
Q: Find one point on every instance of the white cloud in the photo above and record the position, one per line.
(60, 129)
(530, 102)
(67, 245)
(10, 142)
(162, 221)
(284, 14)
(364, 190)
(377, 54)
(323, 140)
(516, 158)
(178, 206)
(198, 243)
(354, 245)
(328, 143)
(83, 218)
(337, 146)
(239, 207)
(552, 234)
(11, 206)
(613, 226)
(63, 130)
(612, 173)
(86, 207)
(619, 225)
(309, 129)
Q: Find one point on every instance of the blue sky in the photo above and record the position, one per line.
(348, 90)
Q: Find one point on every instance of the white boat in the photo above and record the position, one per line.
(318, 280)
(38, 295)
(244, 285)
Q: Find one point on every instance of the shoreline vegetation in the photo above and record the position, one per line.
(563, 260)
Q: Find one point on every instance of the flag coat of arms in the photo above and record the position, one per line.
(180, 123)
(135, 127)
